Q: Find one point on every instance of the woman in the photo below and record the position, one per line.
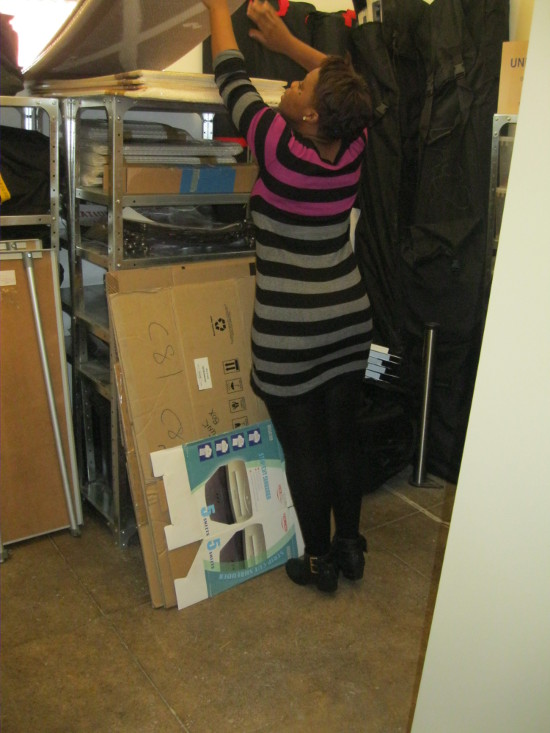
(312, 321)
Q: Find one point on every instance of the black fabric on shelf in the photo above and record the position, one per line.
(25, 168)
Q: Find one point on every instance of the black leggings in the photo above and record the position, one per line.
(318, 434)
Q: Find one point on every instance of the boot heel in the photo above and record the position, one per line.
(349, 556)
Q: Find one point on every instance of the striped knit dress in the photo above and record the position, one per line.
(312, 318)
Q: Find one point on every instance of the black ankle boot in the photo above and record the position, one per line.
(319, 570)
(349, 556)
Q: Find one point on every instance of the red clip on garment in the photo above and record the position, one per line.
(283, 8)
(349, 17)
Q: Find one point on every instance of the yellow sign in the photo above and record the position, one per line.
(5, 195)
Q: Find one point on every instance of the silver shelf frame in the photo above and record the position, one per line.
(108, 490)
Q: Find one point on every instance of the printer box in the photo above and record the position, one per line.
(230, 493)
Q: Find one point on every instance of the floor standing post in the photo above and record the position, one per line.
(419, 473)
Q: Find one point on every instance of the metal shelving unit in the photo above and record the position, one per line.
(101, 461)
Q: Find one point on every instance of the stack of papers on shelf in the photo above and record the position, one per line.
(168, 85)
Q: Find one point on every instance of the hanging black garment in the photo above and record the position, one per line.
(446, 251)
(422, 242)
(260, 61)
(327, 32)
(386, 55)
(330, 32)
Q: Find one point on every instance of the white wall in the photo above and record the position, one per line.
(487, 668)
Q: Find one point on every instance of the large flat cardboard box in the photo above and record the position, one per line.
(199, 179)
(512, 71)
(182, 336)
(185, 356)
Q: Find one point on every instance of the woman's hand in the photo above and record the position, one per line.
(271, 32)
(274, 35)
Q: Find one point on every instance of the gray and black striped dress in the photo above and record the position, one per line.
(312, 317)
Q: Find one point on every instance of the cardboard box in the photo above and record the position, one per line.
(144, 279)
(512, 70)
(230, 494)
(185, 356)
(200, 179)
(158, 412)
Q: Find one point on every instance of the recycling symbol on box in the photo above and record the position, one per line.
(220, 324)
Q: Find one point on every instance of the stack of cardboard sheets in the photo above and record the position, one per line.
(171, 86)
(182, 338)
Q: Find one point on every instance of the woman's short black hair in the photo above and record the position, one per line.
(342, 100)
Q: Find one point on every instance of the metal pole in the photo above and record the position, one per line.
(27, 261)
(419, 474)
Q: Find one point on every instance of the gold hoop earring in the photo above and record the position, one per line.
(304, 118)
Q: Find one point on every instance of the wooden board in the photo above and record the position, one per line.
(32, 499)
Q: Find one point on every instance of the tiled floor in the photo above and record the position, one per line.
(83, 650)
